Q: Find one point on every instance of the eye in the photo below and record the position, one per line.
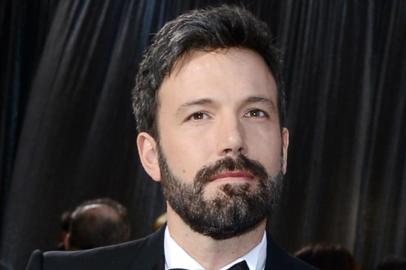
(198, 116)
(256, 113)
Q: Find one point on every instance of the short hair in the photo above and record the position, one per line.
(200, 30)
(327, 257)
(392, 263)
(98, 223)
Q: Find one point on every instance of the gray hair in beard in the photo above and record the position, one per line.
(235, 210)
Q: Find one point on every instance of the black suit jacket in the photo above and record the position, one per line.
(143, 254)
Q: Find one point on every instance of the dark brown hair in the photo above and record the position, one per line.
(207, 30)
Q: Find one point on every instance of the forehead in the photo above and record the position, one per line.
(228, 74)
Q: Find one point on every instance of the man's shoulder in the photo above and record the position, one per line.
(120, 256)
(113, 257)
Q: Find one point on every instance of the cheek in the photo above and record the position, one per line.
(185, 154)
(265, 146)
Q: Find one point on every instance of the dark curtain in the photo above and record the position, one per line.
(67, 133)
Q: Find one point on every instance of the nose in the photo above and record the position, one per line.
(231, 138)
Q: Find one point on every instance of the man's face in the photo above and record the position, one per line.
(221, 148)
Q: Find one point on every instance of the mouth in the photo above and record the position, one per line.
(233, 175)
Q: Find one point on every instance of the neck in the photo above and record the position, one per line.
(206, 250)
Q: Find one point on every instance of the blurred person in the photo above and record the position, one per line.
(328, 257)
(210, 112)
(392, 263)
(97, 223)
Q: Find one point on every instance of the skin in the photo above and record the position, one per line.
(216, 104)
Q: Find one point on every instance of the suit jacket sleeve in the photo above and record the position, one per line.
(35, 262)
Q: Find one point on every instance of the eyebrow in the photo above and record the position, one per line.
(201, 101)
(258, 99)
(208, 101)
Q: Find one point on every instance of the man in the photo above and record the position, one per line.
(209, 106)
(328, 257)
(97, 223)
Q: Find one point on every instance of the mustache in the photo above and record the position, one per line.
(241, 163)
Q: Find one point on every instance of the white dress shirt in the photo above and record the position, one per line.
(177, 257)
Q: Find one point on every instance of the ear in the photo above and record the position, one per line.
(66, 240)
(148, 152)
(285, 145)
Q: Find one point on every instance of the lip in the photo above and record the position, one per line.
(233, 174)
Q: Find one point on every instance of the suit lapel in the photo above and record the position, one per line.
(159, 264)
(151, 253)
(275, 257)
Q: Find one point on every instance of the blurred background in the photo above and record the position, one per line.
(67, 132)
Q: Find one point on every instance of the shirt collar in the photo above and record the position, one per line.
(177, 257)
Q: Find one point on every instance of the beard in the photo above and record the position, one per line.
(234, 209)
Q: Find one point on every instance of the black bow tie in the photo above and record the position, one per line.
(238, 266)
